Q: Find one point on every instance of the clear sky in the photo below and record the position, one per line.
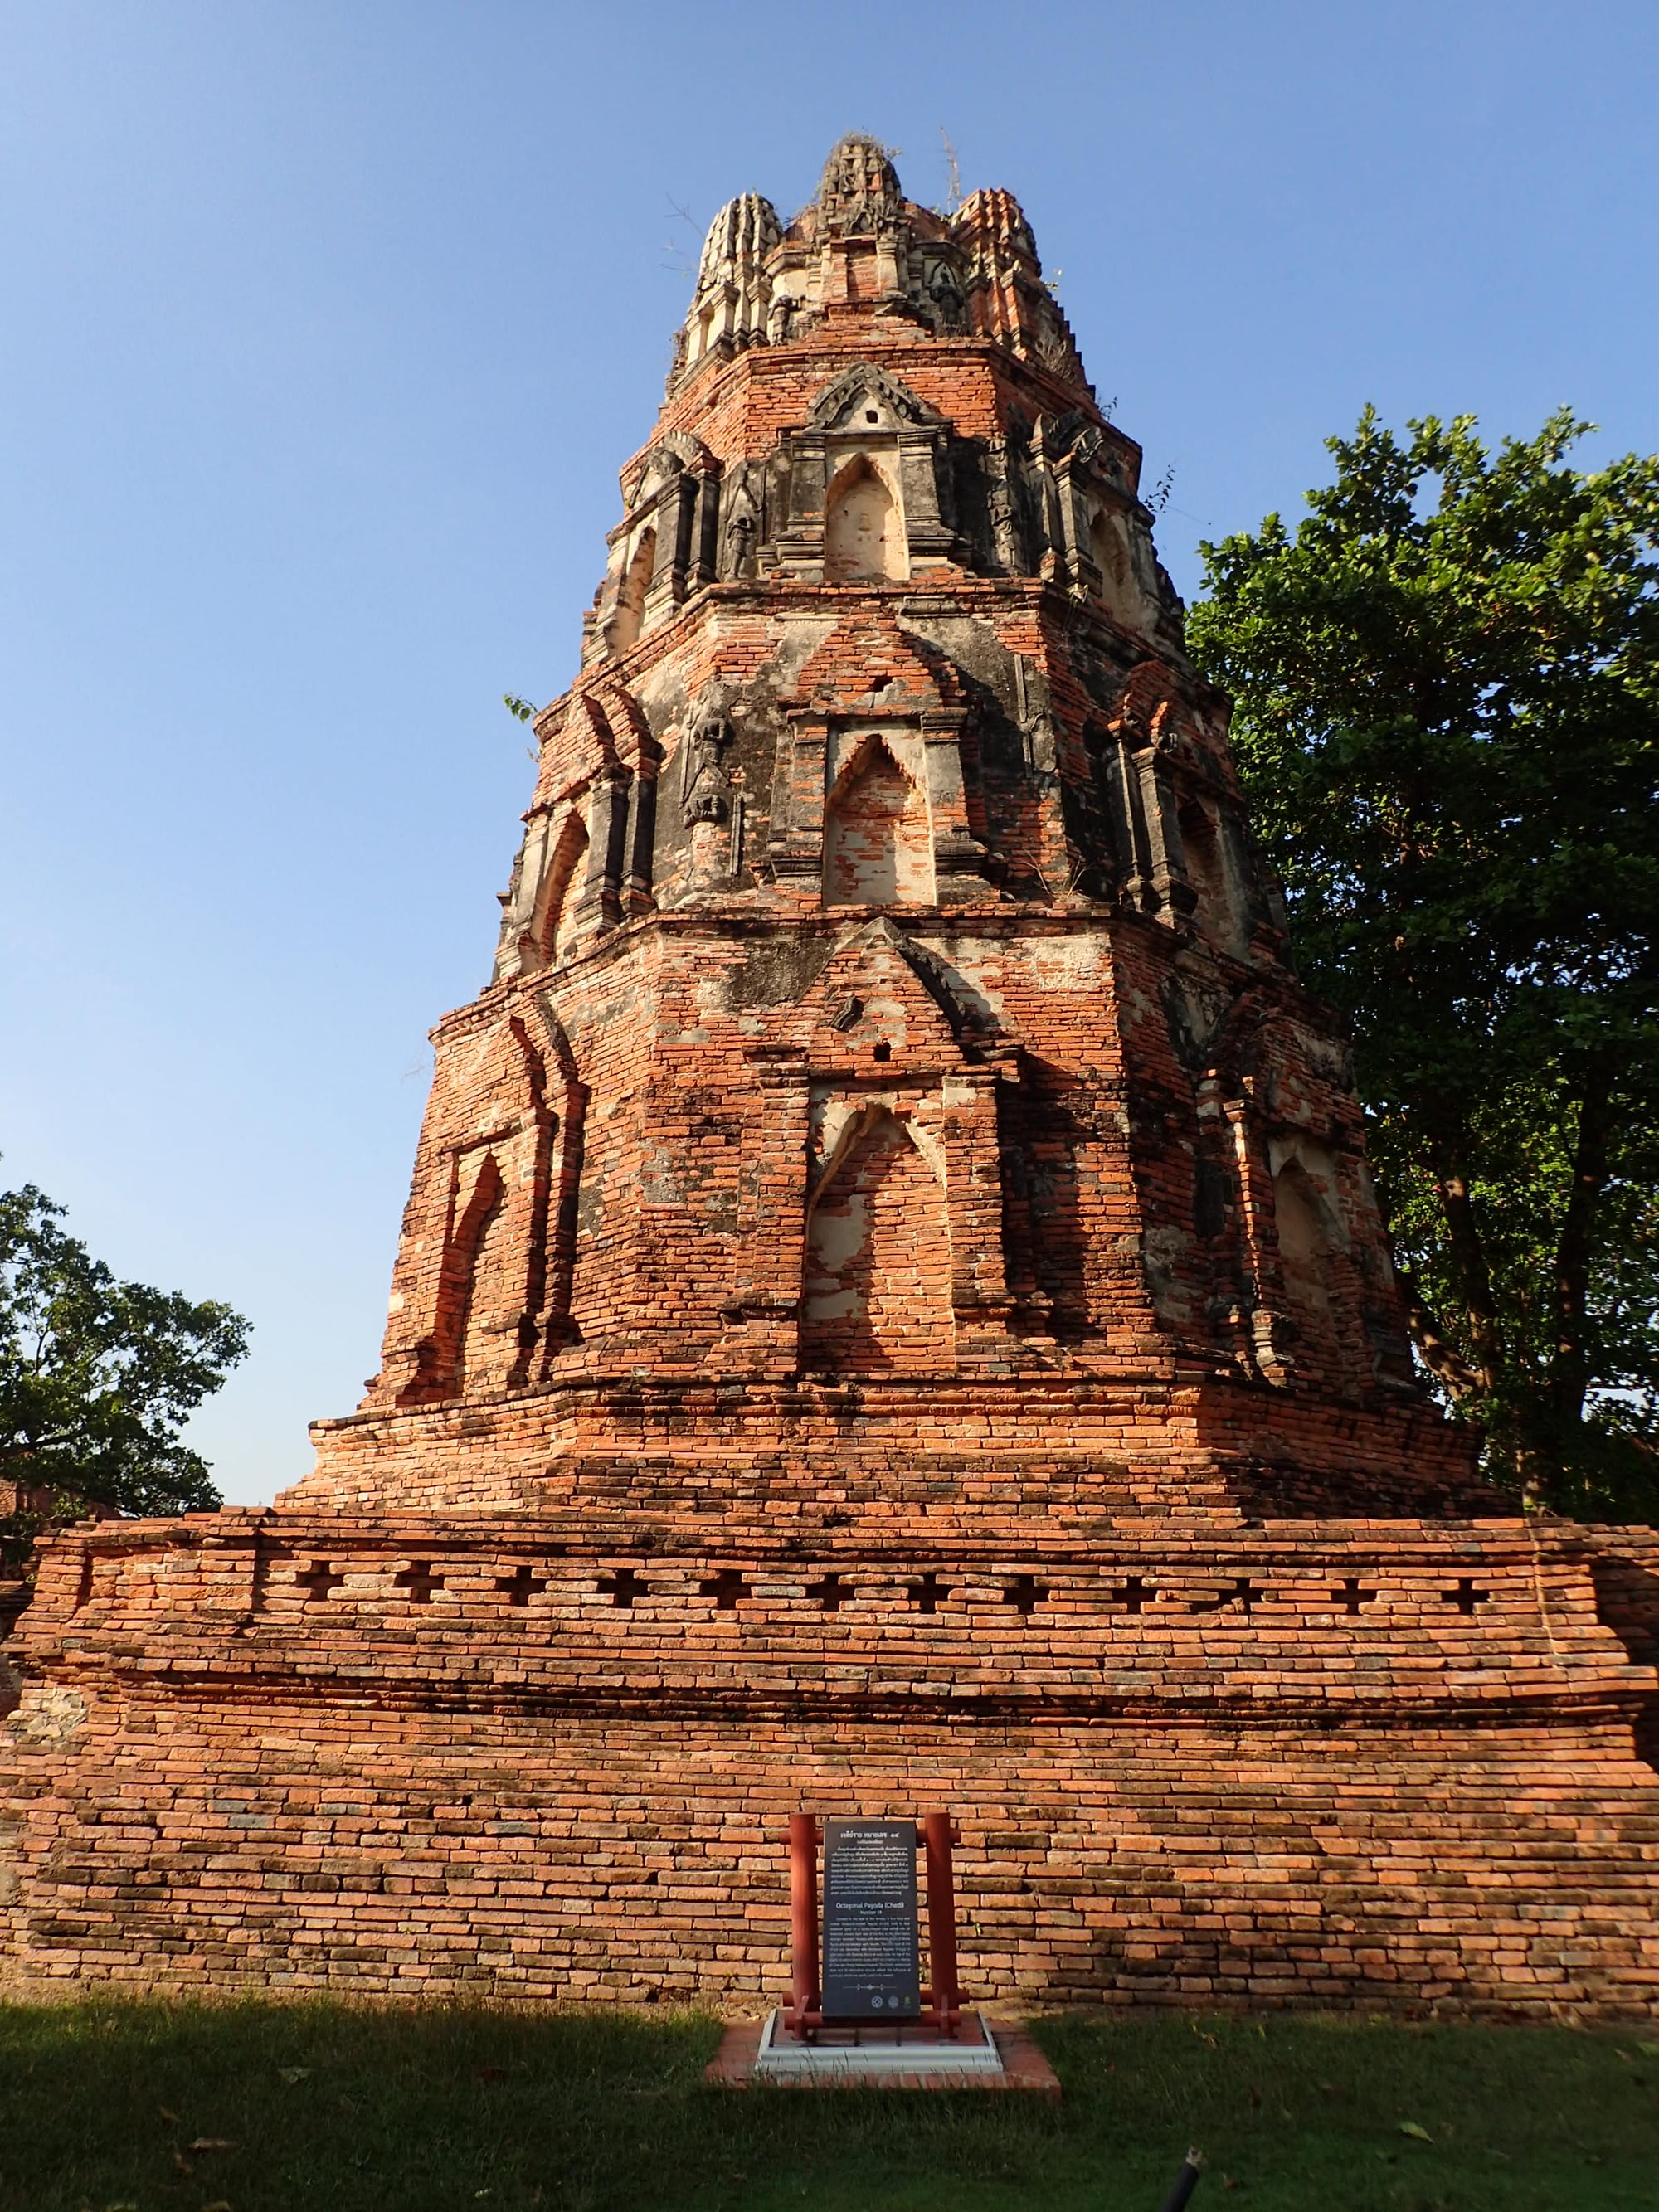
(324, 325)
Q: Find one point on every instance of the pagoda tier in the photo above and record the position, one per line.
(891, 1313)
(892, 1038)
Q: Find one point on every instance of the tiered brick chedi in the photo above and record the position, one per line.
(891, 1313)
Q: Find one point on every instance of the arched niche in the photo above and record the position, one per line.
(560, 887)
(863, 526)
(878, 833)
(1108, 550)
(477, 1208)
(876, 1285)
(1307, 1244)
(565, 1162)
(1206, 871)
(630, 598)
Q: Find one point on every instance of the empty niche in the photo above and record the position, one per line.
(877, 1285)
(1206, 871)
(494, 1300)
(1305, 1252)
(862, 536)
(564, 1190)
(877, 836)
(442, 1371)
(560, 887)
(1110, 555)
(630, 598)
(1044, 1236)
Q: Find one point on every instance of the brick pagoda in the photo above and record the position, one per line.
(891, 1314)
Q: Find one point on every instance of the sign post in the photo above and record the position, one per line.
(945, 1998)
(803, 1916)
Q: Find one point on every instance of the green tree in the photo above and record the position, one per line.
(97, 1376)
(1446, 688)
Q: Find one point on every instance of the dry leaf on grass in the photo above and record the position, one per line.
(1418, 2134)
(213, 2142)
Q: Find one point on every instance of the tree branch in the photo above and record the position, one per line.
(17, 1447)
(1438, 1354)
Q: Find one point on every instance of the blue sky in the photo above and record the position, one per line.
(324, 325)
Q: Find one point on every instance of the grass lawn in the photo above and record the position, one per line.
(153, 2107)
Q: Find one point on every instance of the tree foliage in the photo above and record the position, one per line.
(98, 1376)
(1447, 688)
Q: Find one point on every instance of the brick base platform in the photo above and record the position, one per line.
(1385, 1763)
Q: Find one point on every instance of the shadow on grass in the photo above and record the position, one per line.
(261, 2107)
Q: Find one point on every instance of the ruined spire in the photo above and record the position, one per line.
(733, 290)
(860, 253)
(858, 192)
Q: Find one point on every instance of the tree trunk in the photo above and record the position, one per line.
(1469, 1258)
(1570, 1362)
(1435, 1349)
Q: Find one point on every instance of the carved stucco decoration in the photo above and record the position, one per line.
(834, 407)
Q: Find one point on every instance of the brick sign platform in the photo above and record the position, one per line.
(996, 2055)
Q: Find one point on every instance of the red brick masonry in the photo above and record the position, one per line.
(891, 1314)
(1335, 1761)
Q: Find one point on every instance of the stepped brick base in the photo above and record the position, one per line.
(1391, 1763)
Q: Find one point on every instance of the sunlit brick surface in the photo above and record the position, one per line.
(891, 1313)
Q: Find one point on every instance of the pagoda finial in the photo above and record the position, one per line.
(860, 188)
(733, 291)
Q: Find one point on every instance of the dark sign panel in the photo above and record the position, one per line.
(872, 1954)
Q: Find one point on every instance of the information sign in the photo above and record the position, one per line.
(872, 1951)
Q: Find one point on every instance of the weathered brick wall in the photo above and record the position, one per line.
(1142, 1194)
(1338, 1763)
(647, 1861)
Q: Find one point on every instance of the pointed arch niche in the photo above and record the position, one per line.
(474, 1209)
(876, 1287)
(626, 623)
(863, 525)
(560, 887)
(1206, 871)
(1109, 549)
(1308, 1255)
(557, 1285)
(878, 829)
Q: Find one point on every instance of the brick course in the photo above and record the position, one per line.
(891, 1313)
